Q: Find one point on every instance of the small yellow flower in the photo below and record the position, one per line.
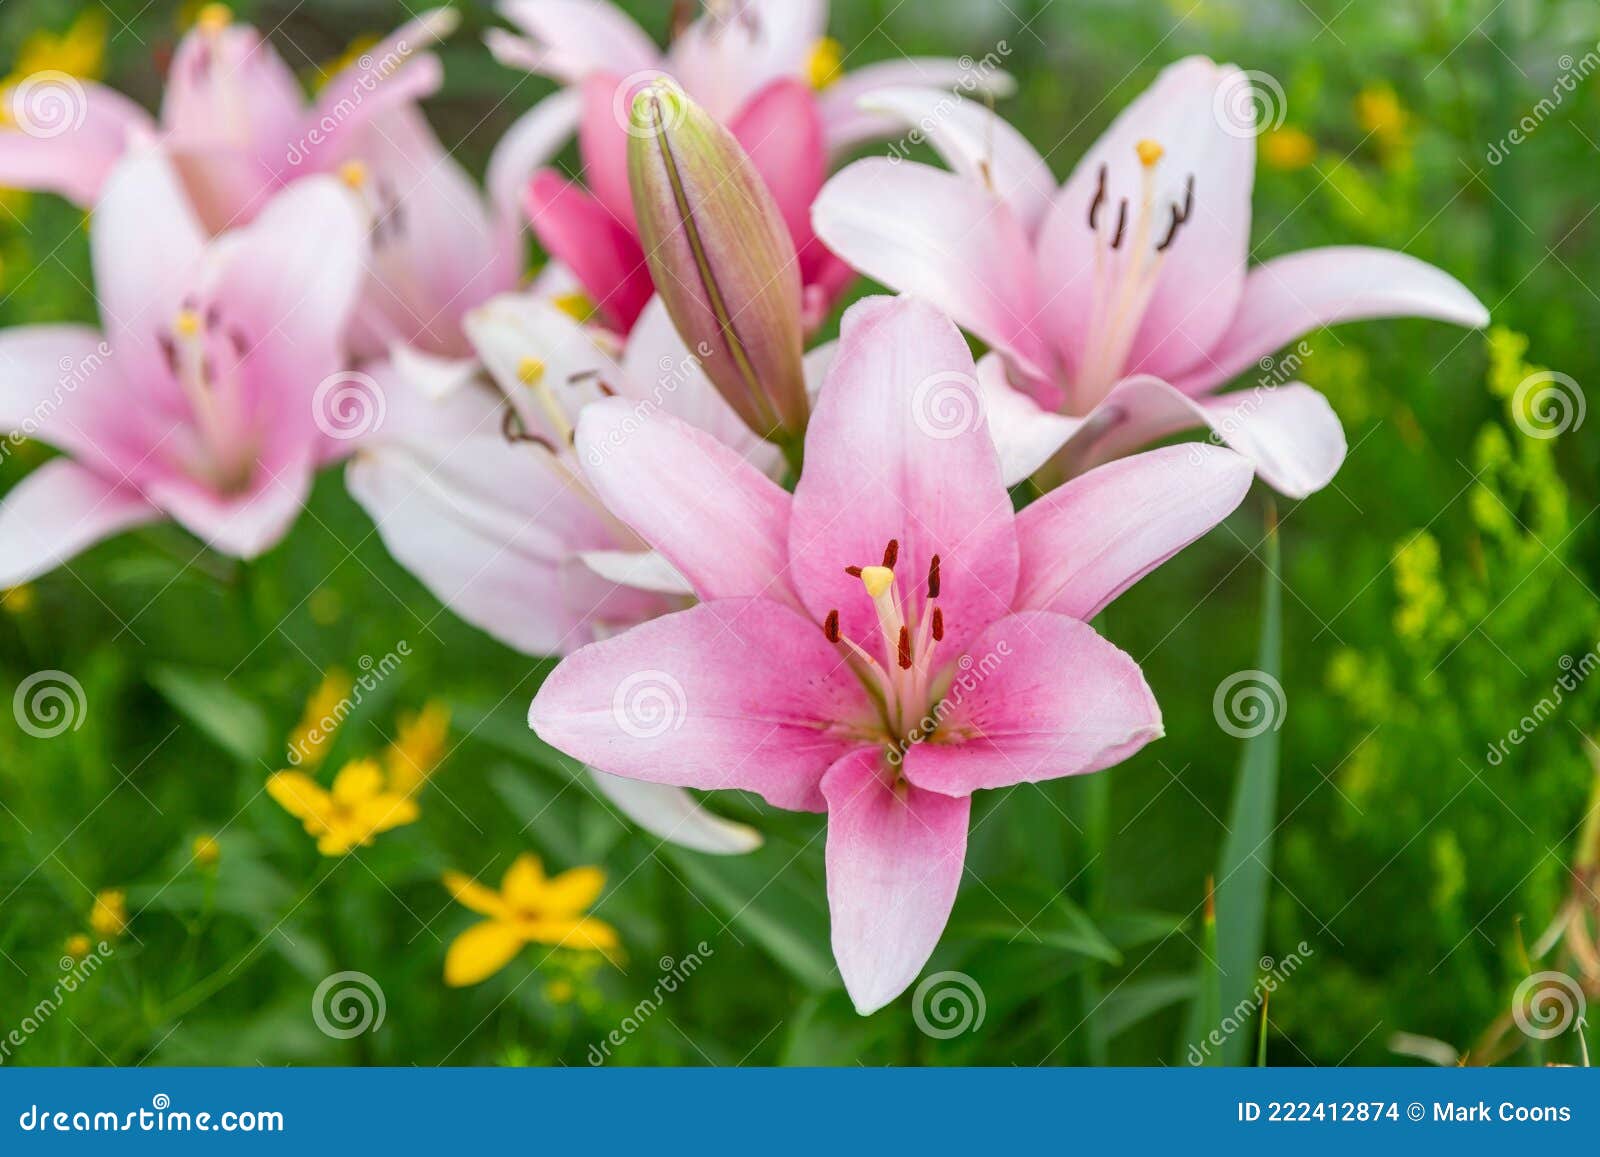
(207, 851)
(109, 916)
(17, 600)
(824, 63)
(79, 51)
(558, 991)
(78, 945)
(419, 747)
(1379, 112)
(359, 808)
(325, 710)
(577, 305)
(1288, 149)
(529, 908)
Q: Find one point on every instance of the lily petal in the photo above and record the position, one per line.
(672, 814)
(1025, 434)
(1096, 535)
(76, 162)
(572, 38)
(894, 860)
(58, 510)
(737, 693)
(1044, 696)
(849, 125)
(1291, 295)
(600, 251)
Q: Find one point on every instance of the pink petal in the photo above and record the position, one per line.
(897, 450)
(243, 525)
(672, 814)
(715, 517)
(894, 862)
(1291, 295)
(231, 89)
(848, 124)
(58, 385)
(581, 234)
(603, 144)
(724, 58)
(533, 140)
(1202, 273)
(975, 143)
(945, 238)
(59, 510)
(85, 131)
(1044, 696)
(1096, 535)
(737, 693)
(780, 130)
(572, 38)
(1289, 431)
(514, 328)
(1025, 434)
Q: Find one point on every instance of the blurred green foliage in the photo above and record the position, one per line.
(1433, 596)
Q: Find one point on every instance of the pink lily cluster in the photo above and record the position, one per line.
(592, 466)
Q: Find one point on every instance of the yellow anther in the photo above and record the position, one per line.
(824, 63)
(187, 323)
(213, 18)
(353, 174)
(577, 305)
(1149, 152)
(530, 371)
(877, 579)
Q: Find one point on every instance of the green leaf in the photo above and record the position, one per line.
(227, 717)
(1138, 1000)
(1060, 924)
(1243, 870)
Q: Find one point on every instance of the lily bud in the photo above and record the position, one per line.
(721, 258)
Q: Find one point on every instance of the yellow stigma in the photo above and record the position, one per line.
(576, 305)
(187, 323)
(530, 371)
(823, 65)
(353, 174)
(877, 579)
(213, 18)
(1149, 152)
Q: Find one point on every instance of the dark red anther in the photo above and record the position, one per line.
(1099, 199)
(1179, 216)
(938, 624)
(853, 571)
(891, 554)
(933, 578)
(830, 627)
(1122, 223)
(905, 648)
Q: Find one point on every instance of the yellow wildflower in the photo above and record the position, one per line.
(1379, 112)
(529, 908)
(325, 710)
(351, 55)
(17, 600)
(109, 916)
(79, 51)
(419, 747)
(824, 63)
(207, 851)
(560, 991)
(78, 945)
(1288, 149)
(352, 815)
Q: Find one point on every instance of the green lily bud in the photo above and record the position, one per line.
(721, 258)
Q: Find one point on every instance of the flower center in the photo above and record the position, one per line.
(1128, 257)
(909, 635)
(205, 356)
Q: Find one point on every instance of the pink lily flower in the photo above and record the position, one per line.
(196, 401)
(1121, 302)
(480, 494)
(886, 641)
(763, 68)
(239, 129)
